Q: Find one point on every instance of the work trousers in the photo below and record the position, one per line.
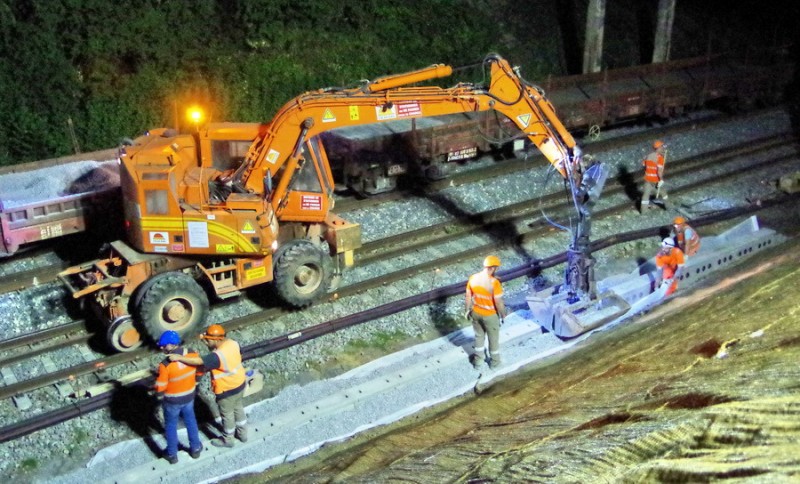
(172, 412)
(231, 409)
(486, 326)
(649, 189)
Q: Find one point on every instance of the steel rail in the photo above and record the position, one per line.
(273, 345)
(534, 229)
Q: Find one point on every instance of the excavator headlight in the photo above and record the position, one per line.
(274, 246)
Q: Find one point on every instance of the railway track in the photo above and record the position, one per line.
(17, 280)
(100, 375)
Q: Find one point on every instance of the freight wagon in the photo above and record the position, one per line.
(372, 159)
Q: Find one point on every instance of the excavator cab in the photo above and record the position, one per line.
(310, 192)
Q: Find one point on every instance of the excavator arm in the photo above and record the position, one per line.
(393, 97)
(277, 152)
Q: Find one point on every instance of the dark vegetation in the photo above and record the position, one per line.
(79, 75)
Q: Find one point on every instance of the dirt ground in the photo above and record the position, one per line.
(705, 387)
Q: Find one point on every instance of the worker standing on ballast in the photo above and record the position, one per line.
(686, 237)
(654, 175)
(228, 382)
(670, 259)
(486, 310)
(175, 388)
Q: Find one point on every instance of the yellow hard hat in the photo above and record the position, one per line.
(214, 332)
(491, 261)
(679, 220)
(658, 144)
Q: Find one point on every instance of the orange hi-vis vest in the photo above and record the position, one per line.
(651, 164)
(670, 262)
(176, 379)
(230, 373)
(484, 288)
(692, 245)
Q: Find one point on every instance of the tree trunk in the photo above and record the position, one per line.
(666, 14)
(593, 50)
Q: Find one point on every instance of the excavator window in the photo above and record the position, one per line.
(156, 202)
(306, 178)
(228, 154)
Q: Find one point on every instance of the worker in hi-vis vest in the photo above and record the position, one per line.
(654, 175)
(228, 381)
(175, 388)
(686, 237)
(486, 310)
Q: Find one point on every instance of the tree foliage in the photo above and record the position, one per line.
(114, 69)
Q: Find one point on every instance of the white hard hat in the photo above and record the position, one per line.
(668, 242)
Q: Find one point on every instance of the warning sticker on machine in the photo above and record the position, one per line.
(159, 238)
(272, 156)
(256, 273)
(198, 234)
(247, 228)
(225, 248)
(387, 111)
(405, 110)
(311, 202)
(328, 116)
(524, 119)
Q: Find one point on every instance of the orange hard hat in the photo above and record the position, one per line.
(215, 331)
(679, 220)
(658, 144)
(491, 261)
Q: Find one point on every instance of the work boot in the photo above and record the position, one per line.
(224, 441)
(241, 434)
(476, 361)
(195, 454)
(172, 459)
(494, 363)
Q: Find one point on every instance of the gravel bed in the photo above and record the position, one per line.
(73, 442)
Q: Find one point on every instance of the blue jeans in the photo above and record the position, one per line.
(171, 414)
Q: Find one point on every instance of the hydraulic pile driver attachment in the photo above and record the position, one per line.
(574, 307)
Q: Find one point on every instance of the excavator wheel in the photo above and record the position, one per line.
(123, 336)
(171, 301)
(302, 273)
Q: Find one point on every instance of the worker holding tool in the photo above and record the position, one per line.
(486, 310)
(670, 259)
(686, 237)
(228, 381)
(175, 388)
(654, 175)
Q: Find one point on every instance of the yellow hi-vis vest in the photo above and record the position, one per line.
(230, 373)
(484, 289)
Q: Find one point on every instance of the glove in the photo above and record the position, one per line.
(660, 184)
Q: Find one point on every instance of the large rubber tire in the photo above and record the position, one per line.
(302, 273)
(171, 301)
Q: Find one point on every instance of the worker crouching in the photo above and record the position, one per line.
(670, 259)
(485, 308)
(227, 382)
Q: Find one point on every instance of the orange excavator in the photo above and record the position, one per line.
(196, 227)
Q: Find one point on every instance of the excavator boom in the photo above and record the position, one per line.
(394, 97)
